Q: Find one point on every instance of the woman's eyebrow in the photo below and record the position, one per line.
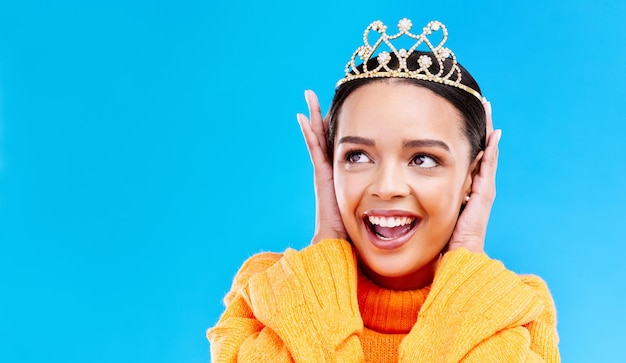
(356, 140)
(409, 144)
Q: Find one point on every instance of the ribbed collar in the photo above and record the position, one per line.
(389, 311)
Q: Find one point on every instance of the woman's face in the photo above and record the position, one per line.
(401, 172)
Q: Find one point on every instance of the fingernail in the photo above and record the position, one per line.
(485, 100)
(307, 94)
(499, 134)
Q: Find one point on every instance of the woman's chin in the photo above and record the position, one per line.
(399, 272)
(404, 263)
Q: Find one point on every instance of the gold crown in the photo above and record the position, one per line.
(424, 62)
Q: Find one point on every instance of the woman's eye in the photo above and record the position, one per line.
(357, 157)
(424, 161)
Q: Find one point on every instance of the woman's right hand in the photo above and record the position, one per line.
(328, 223)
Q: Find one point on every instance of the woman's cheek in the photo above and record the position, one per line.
(437, 198)
(349, 193)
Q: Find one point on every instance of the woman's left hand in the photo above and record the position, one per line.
(471, 227)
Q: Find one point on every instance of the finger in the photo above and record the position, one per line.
(486, 180)
(488, 113)
(310, 137)
(491, 153)
(315, 114)
(317, 155)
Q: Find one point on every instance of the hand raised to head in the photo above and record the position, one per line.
(328, 223)
(471, 227)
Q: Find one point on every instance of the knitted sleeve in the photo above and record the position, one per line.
(301, 308)
(478, 311)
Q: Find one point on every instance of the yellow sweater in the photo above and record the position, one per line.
(315, 306)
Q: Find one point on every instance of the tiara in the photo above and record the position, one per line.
(439, 54)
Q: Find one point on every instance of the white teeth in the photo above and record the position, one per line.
(390, 222)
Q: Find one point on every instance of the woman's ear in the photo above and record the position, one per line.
(473, 170)
(475, 167)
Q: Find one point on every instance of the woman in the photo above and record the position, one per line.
(405, 179)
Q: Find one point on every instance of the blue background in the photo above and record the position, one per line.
(148, 148)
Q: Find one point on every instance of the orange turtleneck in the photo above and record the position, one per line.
(315, 306)
(388, 316)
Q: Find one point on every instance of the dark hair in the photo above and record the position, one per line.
(469, 106)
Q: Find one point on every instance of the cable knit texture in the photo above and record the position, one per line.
(315, 306)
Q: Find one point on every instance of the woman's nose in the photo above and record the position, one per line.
(390, 182)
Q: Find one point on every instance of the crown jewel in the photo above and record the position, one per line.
(437, 54)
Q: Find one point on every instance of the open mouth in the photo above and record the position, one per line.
(390, 231)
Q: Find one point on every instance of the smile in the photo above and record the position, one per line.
(390, 229)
